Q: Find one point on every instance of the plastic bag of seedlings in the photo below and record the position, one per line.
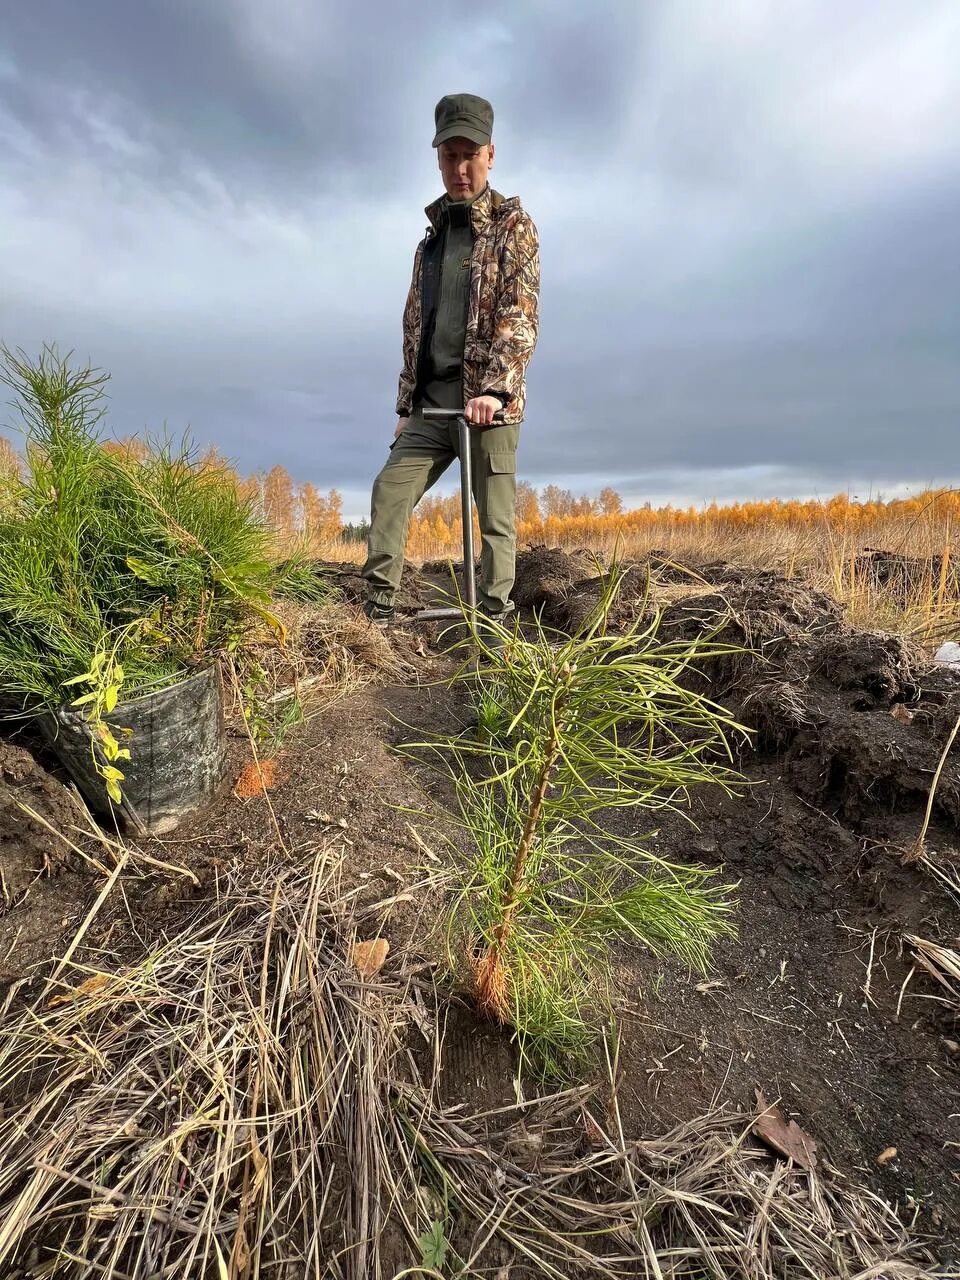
(177, 752)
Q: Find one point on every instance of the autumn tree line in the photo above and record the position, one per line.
(301, 513)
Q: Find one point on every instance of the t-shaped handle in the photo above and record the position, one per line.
(446, 414)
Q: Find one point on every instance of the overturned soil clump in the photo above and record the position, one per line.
(906, 575)
(43, 881)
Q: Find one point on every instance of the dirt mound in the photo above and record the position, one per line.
(905, 575)
(857, 719)
(31, 803)
(546, 574)
(883, 666)
(812, 689)
(347, 579)
(760, 610)
(564, 589)
(752, 608)
(26, 844)
(860, 717)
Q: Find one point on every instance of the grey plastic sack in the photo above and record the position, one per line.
(177, 751)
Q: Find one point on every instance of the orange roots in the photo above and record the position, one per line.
(256, 778)
(492, 983)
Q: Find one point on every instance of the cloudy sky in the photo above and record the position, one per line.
(749, 215)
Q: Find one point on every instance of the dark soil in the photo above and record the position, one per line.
(42, 884)
(810, 1003)
(904, 575)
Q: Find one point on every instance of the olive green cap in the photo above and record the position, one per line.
(463, 115)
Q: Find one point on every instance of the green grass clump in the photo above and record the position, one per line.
(158, 563)
(568, 728)
(118, 574)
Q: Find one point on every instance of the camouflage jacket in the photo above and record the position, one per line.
(502, 311)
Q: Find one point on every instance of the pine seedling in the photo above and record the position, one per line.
(569, 728)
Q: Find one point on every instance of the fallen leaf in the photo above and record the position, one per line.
(368, 957)
(901, 712)
(89, 987)
(785, 1136)
(886, 1155)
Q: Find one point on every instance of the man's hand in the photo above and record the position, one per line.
(480, 410)
(401, 423)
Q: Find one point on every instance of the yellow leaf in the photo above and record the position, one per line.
(87, 697)
(113, 791)
(87, 676)
(118, 673)
(123, 753)
(368, 957)
(271, 619)
(110, 697)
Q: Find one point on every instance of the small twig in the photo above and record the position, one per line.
(294, 690)
(903, 989)
(866, 986)
(918, 849)
(89, 917)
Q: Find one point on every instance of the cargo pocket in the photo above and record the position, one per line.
(502, 464)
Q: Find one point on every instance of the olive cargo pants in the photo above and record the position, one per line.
(418, 458)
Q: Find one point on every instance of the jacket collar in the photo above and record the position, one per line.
(489, 204)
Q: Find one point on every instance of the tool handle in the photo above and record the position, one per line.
(447, 414)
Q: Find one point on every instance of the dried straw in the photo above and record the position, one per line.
(705, 1200)
(331, 651)
(198, 1113)
(942, 964)
(241, 1103)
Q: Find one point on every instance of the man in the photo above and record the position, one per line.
(469, 329)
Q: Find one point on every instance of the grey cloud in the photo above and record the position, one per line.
(219, 201)
(336, 91)
(891, 408)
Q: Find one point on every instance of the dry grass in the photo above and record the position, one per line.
(823, 543)
(717, 1204)
(239, 1103)
(943, 965)
(331, 651)
(553, 1190)
(193, 1114)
